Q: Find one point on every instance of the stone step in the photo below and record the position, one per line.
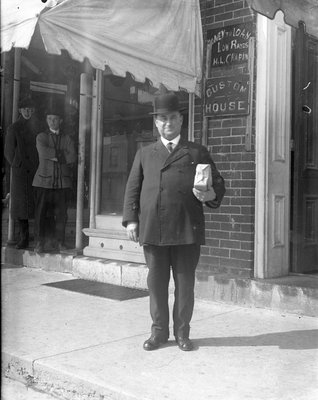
(296, 294)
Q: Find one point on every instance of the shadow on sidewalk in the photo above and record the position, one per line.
(293, 340)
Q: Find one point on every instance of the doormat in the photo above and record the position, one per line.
(99, 289)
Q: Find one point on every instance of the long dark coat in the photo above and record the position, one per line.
(159, 194)
(20, 151)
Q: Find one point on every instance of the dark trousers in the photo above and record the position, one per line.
(50, 214)
(24, 230)
(183, 260)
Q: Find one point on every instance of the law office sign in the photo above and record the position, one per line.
(227, 96)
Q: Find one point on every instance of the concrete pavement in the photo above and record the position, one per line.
(78, 346)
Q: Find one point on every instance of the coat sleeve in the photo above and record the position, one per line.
(217, 180)
(132, 192)
(45, 151)
(10, 145)
(69, 151)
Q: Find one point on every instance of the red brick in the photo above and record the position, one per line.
(221, 132)
(240, 148)
(220, 235)
(232, 122)
(243, 183)
(222, 2)
(238, 131)
(215, 123)
(212, 225)
(243, 166)
(215, 10)
(246, 201)
(248, 174)
(241, 219)
(235, 227)
(214, 141)
(223, 166)
(232, 140)
(248, 210)
(223, 17)
(229, 174)
(209, 260)
(231, 209)
(220, 217)
(234, 6)
(241, 236)
(241, 254)
(212, 242)
(232, 244)
(205, 250)
(247, 227)
(220, 252)
(243, 13)
(247, 245)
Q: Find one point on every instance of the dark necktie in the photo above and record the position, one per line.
(170, 147)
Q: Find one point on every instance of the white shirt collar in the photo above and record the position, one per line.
(55, 132)
(175, 141)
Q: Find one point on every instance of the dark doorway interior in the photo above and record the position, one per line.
(304, 157)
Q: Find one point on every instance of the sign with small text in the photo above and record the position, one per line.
(229, 44)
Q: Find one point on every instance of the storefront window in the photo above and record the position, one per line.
(127, 126)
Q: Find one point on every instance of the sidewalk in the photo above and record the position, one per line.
(84, 346)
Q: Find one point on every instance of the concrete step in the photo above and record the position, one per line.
(296, 294)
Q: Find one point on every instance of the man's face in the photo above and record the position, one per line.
(169, 125)
(53, 121)
(26, 112)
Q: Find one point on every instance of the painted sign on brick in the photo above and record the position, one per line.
(229, 44)
(226, 96)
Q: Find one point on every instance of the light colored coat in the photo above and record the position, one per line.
(159, 194)
(54, 174)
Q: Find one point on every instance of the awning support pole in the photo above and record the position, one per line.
(84, 127)
(15, 113)
(96, 143)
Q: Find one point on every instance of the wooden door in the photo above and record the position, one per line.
(305, 168)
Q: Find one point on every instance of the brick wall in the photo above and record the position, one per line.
(230, 229)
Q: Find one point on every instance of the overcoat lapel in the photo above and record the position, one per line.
(180, 151)
(160, 153)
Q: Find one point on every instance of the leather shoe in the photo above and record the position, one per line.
(153, 343)
(184, 344)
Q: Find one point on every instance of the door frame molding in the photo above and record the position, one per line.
(265, 103)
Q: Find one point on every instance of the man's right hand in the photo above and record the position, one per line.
(132, 230)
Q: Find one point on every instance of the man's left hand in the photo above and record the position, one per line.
(205, 196)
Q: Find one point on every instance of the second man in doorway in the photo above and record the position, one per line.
(53, 181)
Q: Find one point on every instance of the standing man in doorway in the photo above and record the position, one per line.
(20, 152)
(53, 179)
(164, 213)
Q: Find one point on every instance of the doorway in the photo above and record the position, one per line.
(304, 155)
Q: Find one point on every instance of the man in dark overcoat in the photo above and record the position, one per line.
(20, 152)
(53, 179)
(164, 213)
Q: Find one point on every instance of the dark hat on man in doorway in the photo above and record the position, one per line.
(54, 108)
(26, 102)
(166, 103)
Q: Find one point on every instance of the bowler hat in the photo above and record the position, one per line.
(26, 102)
(166, 103)
(54, 108)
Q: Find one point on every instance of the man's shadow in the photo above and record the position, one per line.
(294, 340)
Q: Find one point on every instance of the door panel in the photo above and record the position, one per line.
(305, 215)
(278, 164)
